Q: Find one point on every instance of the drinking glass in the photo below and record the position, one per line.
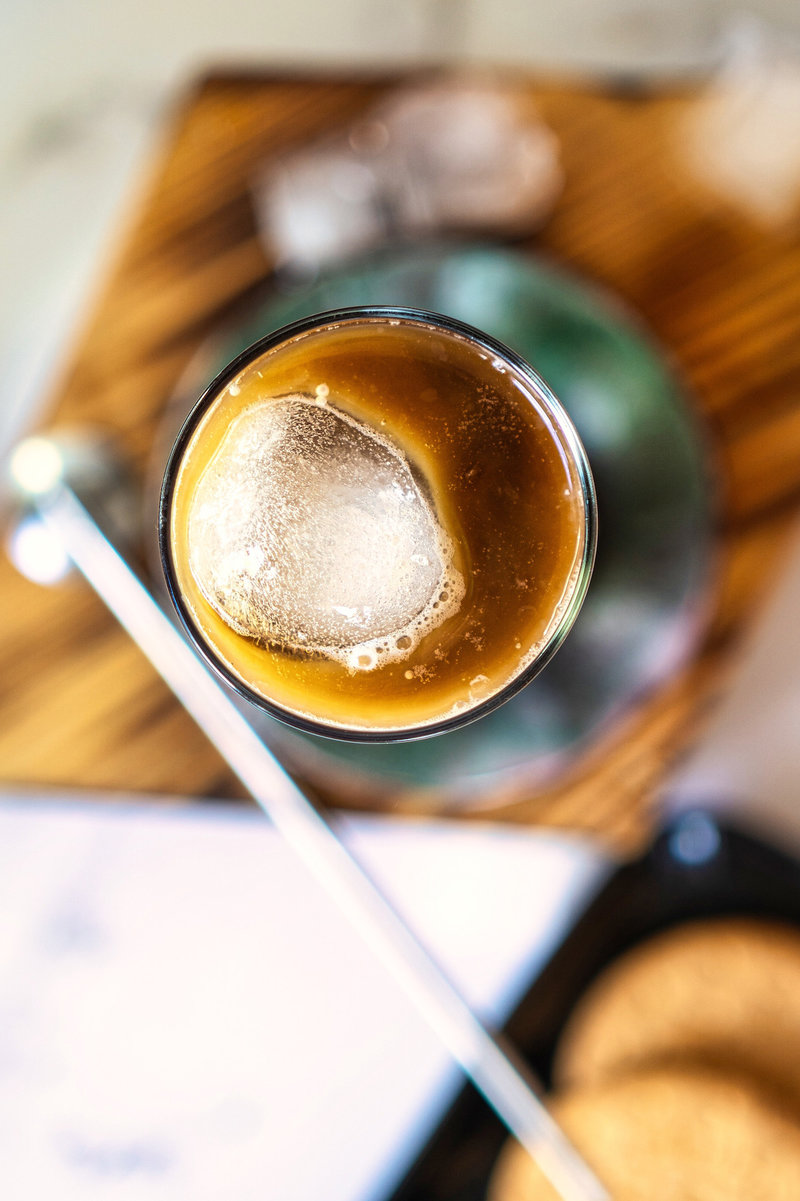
(529, 392)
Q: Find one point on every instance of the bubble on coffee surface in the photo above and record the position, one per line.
(309, 531)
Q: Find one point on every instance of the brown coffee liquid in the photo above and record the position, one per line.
(501, 481)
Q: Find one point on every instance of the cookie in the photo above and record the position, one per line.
(725, 992)
(670, 1134)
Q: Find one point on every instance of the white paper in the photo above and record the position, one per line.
(184, 1018)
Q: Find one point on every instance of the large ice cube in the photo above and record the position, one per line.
(310, 531)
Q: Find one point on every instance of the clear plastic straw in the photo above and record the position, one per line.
(503, 1081)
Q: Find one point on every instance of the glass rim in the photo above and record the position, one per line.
(562, 422)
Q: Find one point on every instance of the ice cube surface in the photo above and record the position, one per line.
(309, 531)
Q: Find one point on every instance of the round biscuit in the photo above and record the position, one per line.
(725, 992)
(671, 1134)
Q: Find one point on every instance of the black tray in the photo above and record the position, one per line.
(695, 869)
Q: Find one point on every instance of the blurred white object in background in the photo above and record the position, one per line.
(749, 757)
(742, 140)
(185, 1017)
(456, 156)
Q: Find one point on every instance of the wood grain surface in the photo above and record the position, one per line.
(720, 287)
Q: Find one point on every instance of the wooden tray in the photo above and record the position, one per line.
(79, 706)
